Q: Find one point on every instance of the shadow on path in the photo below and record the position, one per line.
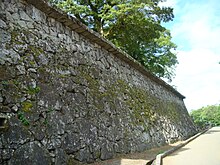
(212, 131)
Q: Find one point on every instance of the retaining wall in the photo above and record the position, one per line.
(67, 94)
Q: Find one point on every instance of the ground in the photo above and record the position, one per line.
(136, 158)
(204, 150)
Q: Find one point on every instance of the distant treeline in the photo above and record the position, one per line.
(206, 116)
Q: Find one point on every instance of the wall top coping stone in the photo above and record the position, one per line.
(77, 26)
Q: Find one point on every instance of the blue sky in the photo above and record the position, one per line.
(196, 31)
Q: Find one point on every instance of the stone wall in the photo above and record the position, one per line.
(67, 94)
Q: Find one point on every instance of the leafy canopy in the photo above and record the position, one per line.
(206, 115)
(132, 25)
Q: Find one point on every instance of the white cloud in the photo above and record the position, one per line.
(198, 23)
(196, 31)
(198, 78)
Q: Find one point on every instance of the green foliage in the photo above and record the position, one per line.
(23, 119)
(132, 25)
(206, 115)
(33, 90)
(4, 83)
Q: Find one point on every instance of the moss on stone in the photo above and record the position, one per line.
(36, 51)
(26, 106)
(33, 90)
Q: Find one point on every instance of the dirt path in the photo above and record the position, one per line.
(136, 158)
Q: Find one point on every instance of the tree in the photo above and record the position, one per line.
(132, 25)
(206, 115)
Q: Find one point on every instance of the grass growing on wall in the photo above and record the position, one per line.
(142, 106)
